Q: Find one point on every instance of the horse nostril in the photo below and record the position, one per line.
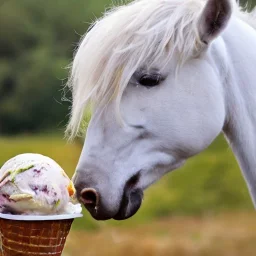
(90, 197)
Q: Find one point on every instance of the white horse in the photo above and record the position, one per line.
(163, 79)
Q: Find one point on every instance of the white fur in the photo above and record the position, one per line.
(214, 91)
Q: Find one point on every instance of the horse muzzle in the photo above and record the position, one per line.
(130, 204)
(95, 202)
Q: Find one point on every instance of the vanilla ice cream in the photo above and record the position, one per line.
(33, 184)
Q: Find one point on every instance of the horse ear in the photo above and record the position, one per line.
(214, 19)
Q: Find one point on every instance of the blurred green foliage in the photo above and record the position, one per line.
(37, 41)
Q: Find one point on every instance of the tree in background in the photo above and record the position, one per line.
(37, 40)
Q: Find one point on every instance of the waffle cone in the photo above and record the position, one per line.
(33, 238)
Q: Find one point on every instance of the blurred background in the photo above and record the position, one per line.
(202, 209)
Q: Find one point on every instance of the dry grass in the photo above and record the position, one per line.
(231, 234)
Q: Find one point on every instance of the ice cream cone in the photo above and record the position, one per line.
(34, 237)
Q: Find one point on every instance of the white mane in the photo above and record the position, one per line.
(126, 38)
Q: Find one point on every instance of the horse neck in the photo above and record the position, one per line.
(240, 95)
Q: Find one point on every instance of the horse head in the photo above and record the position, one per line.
(150, 73)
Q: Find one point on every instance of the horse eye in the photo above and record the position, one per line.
(150, 80)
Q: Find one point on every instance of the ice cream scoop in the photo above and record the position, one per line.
(33, 184)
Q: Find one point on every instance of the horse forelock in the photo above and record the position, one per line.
(122, 41)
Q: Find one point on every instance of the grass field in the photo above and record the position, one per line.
(221, 235)
(208, 183)
(51, 145)
(201, 210)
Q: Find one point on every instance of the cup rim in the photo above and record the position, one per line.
(40, 217)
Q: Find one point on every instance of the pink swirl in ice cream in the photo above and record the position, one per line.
(33, 184)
